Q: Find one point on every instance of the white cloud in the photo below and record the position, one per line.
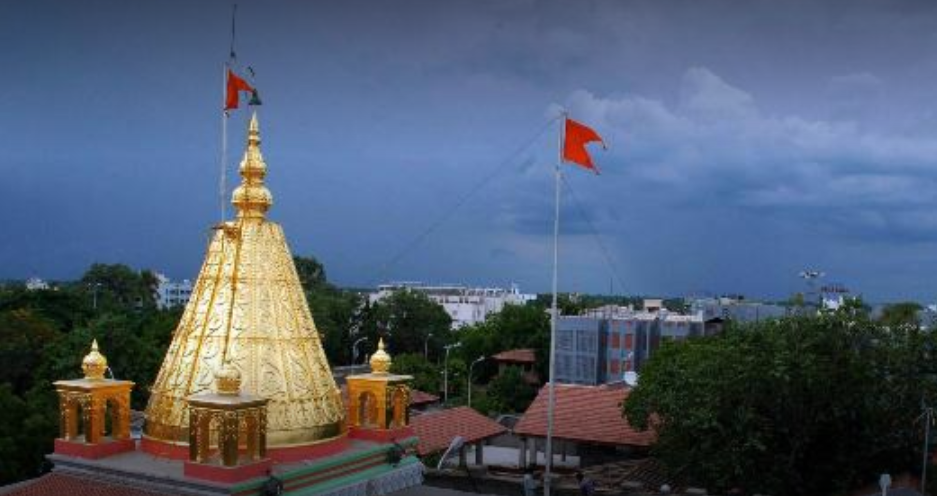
(718, 135)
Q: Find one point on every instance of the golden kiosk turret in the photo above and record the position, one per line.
(379, 401)
(248, 311)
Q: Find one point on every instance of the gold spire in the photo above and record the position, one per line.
(94, 364)
(228, 380)
(251, 197)
(380, 360)
(248, 309)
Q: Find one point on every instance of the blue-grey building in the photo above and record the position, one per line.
(603, 345)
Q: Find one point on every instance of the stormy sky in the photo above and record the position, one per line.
(747, 140)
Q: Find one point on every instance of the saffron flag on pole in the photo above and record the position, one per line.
(234, 86)
(576, 136)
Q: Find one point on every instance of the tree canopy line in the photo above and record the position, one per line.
(812, 399)
(45, 333)
(804, 405)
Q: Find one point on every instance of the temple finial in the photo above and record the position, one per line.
(380, 360)
(251, 198)
(94, 364)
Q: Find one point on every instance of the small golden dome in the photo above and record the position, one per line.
(227, 380)
(380, 360)
(94, 364)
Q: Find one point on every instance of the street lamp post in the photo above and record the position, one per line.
(94, 294)
(446, 370)
(426, 343)
(355, 349)
(469, 380)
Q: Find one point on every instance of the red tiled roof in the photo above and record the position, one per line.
(436, 430)
(418, 397)
(583, 414)
(62, 484)
(516, 355)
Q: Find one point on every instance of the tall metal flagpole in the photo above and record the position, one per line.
(222, 180)
(549, 449)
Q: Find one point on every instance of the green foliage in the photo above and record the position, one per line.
(901, 314)
(117, 287)
(515, 327)
(509, 393)
(410, 317)
(427, 376)
(24, 338)
(311, 272)
(802, 405)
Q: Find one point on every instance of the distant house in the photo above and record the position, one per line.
(588, 422)
(421, 401)
(435, 430)
(36, 283)
(521, 358)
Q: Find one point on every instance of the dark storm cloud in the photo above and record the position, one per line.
(747, 141)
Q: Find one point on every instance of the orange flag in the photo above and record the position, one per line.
(576, 136)
(235, 85)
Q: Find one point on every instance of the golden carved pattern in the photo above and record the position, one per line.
(248, 307)
(227, 431)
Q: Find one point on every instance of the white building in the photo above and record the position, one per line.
(466, 306)
(172, 293)
(35, 283)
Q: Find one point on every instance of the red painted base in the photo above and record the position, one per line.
(278, 455)
(226, 474)
(307, 452)
(160, 448)
(378, 435)
(99, 450)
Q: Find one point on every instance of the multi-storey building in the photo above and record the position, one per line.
(605, 343)
(172, 293)
(466, 306)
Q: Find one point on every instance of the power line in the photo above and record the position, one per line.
(494, 173)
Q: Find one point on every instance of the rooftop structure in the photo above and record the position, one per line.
(465, 305)
(435, 430)
(248, 309)
(170, 293)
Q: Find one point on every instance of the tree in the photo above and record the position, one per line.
(426, 374)
(406, 319)
(509, 392)
(311, 272)
(110, 286)
(801, 405)
(514, 327)
(24, 337)
(901, 314)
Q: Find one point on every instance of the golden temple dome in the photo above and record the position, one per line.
(94, 364)
(380, 360)
(228, 380)
(248, 308)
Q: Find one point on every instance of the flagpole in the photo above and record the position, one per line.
(549, 449)
(222, 180)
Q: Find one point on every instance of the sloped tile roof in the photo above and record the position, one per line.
(583, 414)
(63, 484)
(418, 397)
(516, 355)
(435, 430)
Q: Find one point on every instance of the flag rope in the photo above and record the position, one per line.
(494, 173)
(607, 254)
